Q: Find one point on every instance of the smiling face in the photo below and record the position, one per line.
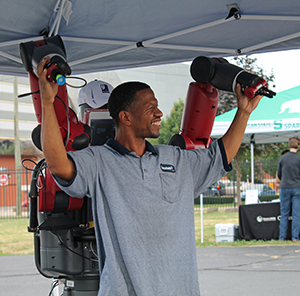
(146, 115)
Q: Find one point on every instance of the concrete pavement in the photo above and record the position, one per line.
(223, 271)
(249, 271)
(19, 277)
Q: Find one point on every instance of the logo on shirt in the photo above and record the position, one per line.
(167, 168)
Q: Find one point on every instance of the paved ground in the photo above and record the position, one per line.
(223, 271)
(19, 277)
(249, 271)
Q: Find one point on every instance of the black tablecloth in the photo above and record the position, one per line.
(260, 221)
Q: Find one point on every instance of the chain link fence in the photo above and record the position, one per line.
(223, 194)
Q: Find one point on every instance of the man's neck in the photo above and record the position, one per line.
(135, 145)
(293, 150)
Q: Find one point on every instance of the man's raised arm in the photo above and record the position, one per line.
(233, 137)
(52, 144)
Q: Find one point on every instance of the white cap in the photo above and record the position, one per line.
(95, 94)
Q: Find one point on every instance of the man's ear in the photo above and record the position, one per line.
(124, 117)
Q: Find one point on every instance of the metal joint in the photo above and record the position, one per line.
(139, 44)
(234, 11)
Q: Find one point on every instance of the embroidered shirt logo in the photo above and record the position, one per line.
(167, 168)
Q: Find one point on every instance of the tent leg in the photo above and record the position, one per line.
(201, 209)
(252, 161)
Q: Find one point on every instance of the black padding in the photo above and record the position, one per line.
(36, 137)
(177, 140)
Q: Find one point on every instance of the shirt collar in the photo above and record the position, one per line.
(123, 150)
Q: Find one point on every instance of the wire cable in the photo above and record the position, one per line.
(54, 284)
(70, 85)
(28, 94)
(79, 78)
(93, 251)
(54, 231)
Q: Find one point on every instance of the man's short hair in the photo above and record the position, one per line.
(294, 142)
(123, 96)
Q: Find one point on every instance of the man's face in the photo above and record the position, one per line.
(146, 115)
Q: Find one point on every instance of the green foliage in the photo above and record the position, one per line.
(171, 124)
(211, 200)
(7, 147)
(227, 101)
(270, 152)
(263, 198)
(249, 64)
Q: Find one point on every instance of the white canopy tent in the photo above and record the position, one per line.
(273, 121)
(106, 35)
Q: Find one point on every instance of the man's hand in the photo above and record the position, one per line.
(51, 139)
(48, 90)
(244, 103)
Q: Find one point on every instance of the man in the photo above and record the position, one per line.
(277, 181)
(289, 175)
(143, 195)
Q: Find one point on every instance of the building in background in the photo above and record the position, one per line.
(169, 83)
(27, 119)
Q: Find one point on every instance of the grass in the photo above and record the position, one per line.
(211, 218)
(15, 240)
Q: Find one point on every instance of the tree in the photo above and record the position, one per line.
(227, 101)
(7, 147)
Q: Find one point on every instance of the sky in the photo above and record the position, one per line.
(285, 65)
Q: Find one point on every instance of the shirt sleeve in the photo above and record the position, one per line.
(85, 174)
(208, 165)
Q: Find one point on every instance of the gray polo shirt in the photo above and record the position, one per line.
(143, 211)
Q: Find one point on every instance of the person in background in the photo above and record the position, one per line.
(277, 182)
(288, 171)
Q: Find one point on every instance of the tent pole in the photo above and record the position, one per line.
(252, 161)
(201, 218)
(17, 150)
